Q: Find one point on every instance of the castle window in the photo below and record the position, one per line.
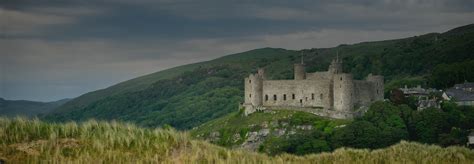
(341, 78)
(284, 96)
(340, 86)
(250, 95)
(321, 96)
(266, 97)
(312, 96)
(377, 91)
(275, 97)
(250, 81)
(293, 96)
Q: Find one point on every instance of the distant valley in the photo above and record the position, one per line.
(12, 108)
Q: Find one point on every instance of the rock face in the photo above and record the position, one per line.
(252, 140)
(214, 137)
(273, 129)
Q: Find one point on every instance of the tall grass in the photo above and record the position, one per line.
(33, 141)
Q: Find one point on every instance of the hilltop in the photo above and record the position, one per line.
(190, 95)
(33, 141)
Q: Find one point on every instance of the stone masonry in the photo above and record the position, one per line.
(331, 93)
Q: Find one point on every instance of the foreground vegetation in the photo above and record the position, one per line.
(187, 96)
(33, 141)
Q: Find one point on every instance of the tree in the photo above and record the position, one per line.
(429, 123)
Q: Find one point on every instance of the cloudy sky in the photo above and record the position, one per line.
(54, 49)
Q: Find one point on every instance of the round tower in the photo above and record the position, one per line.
(300, 73)
(343, 88)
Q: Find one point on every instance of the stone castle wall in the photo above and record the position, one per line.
(318, 76)
(297, 93)
(331, 93)
(363, 91)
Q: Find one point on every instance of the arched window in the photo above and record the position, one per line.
(266, 97)
(250, 81)
(284, 97)
(341, 78)
(321, 96)
(250, 95)
(293, 96)
(275, 97)
(312, 96)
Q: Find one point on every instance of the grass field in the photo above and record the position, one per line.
(33, 141)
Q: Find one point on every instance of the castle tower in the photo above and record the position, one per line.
(254, 88)
(336, 66)
(378, 83)
(300, 73)
(343, 92)
(299, 70)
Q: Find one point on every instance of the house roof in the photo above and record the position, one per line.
(460, 95)
(464, 85)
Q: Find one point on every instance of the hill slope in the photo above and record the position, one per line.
(32, 141)
(190, 95)
(13, 108)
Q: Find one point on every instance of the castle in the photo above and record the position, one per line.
(331, 93)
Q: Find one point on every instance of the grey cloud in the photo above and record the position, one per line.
(100, 46)
(34, 20)
(15, 22)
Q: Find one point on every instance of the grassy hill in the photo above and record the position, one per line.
(257, 131)
(189, 95)
(33, 141)
(13, 108)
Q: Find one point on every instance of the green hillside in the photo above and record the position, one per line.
(13, 108)
(187, 96)
(33, 141)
